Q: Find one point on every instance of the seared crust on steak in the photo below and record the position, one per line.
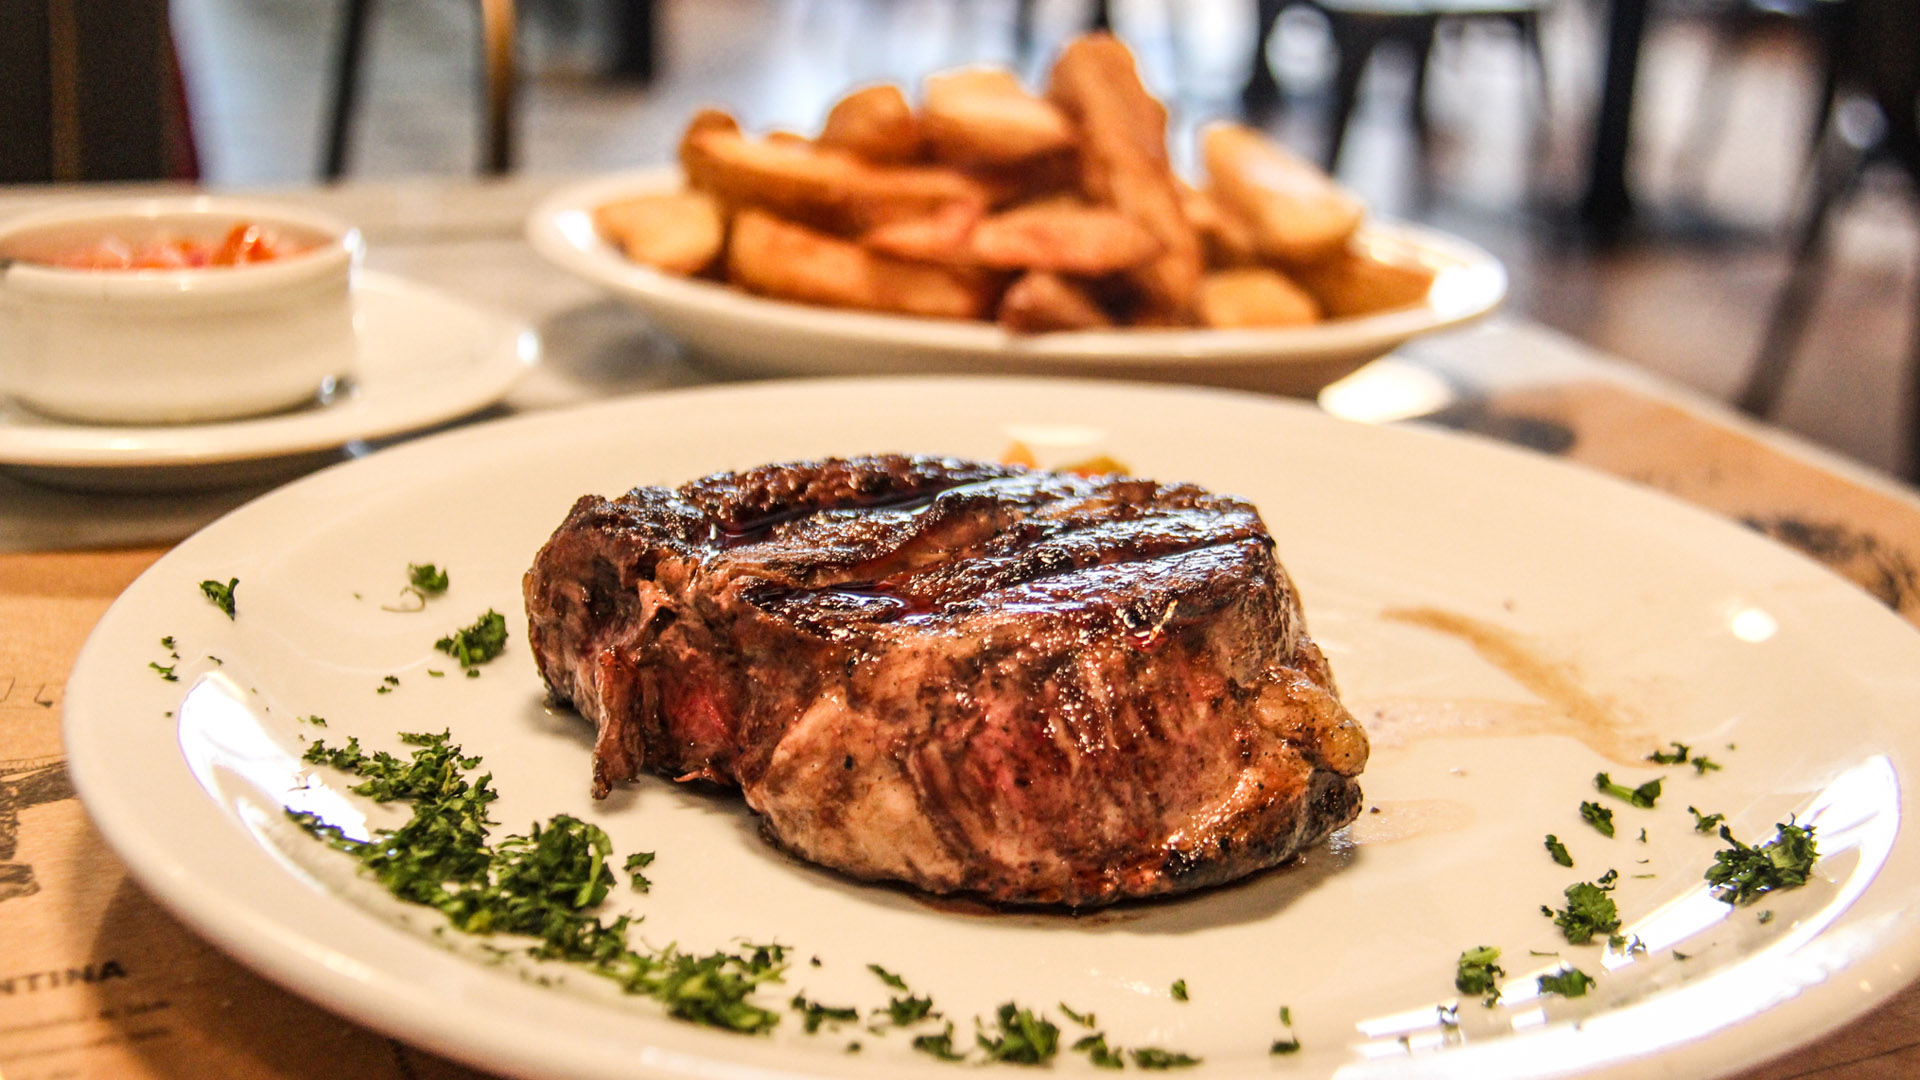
(973, 678)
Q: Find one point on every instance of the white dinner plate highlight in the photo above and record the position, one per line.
(423, 357)
(1506, 626)
(751, 333)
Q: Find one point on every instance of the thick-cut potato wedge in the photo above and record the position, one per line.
(1355, 281)
(680, 232)
(983, 116)
(1123, 154)
(818, 186)
(1091, 241)
(1227, 238)
(1039, 302)
(874, 123)
(1253, 296)
(792, 262)
(940, 237)
(1298, 213)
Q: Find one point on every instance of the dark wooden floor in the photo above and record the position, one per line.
(1686, 298)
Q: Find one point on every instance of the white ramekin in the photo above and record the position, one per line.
(174, 346)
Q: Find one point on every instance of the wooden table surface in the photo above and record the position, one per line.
(97, 981)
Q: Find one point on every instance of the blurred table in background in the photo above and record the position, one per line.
(98, 981)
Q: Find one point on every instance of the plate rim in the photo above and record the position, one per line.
(512, 352)
(409, 1014)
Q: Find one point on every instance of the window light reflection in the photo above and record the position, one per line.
(219, 732)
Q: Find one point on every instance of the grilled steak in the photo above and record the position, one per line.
(1033, 687)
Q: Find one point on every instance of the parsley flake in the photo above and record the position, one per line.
(1742, 874)
(1179, 990)
(1589, 910)
(815, 1014)
(478, 643)
(221, 595)
(1290, 1044)
(1568, 982)
(888, 977)
(1677, 757)
(1085, 1020)
(1643, 796)
(1705, 822)
(635, 863)
(1020, 1037)
(1598, 816)
(1154, 1059)
(1477, 972)
(1703, 764)
(939, 1046)
(1097, 1051)
(426, 579)
(1558, 850)
(165, 672)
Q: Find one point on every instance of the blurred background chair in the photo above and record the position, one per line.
(1360, 27)
(499, 85)
(91, 90)
(1874, 59)
(1739, 27)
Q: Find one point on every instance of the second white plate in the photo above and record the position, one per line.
(756, 334)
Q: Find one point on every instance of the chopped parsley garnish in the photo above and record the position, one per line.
(221, 595)
(1085, 1020)
(432, 674)
(1705, 822)
(1097, 1051)
(1597, 816)
(1478, 973)
(1154, 1059)
(165, 672)
(635, 863)
(815, 1014)
(543, 884)
(1643, 836)
(167, 644)
(1643, 796)
(1589, 911)
(1677, 757)
(1568, 982)
(1558, 850)
(1179, 990)
(1678, 955)
(1742, 874)
(314, 720)
(478, 643)
(1766, 917)
(939, 1046)
(1703, 763)
(1021, 1038)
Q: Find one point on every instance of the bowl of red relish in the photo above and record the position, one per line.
(187, 309)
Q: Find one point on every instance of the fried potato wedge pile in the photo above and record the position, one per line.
(1056, 210)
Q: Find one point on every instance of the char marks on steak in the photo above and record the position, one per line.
(1034, 687)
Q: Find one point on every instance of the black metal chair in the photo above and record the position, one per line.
(1875, 58)
(500, 86)
(1360, 27)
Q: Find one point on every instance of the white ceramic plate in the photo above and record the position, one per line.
(1641, 620)
(423, 357)
(771, 336)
